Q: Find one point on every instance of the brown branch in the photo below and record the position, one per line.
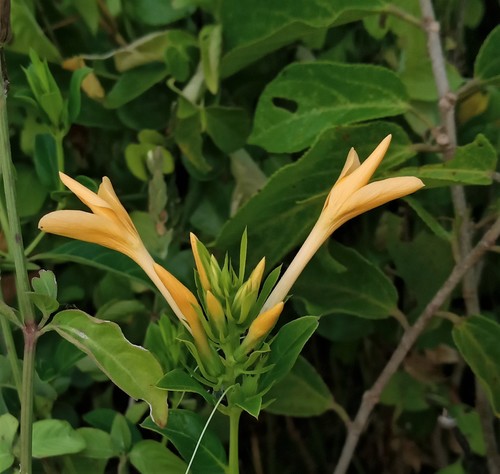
(470, 293)
(371, 396)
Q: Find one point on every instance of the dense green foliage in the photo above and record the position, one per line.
(216, 116)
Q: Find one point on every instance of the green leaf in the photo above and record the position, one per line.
(136, 156)
(210, 49)
(344, 327)
(121, 437)
(472, 164)
(154, 13)
(179, 381)
(281, 215)
(487, 63)
(31, 193)
(134, 83)
(151, 457)
(184, 430)
(285, 348)
(187, 134)
(301, 393)
(27, 34)
(45, 283)
(469, 423)
(98, 257)
(477, 339)
(308, 98)
(343, 281)
(46, 166)
(228, 127)
(405, 393)
(89, 11)
(254, 28)
(75, 94)
(432, 223)
(98, 444)
(8, 430)
(55, 438)
(424, 251)
(132, 368)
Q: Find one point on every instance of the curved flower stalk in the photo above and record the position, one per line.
(110, 225)
(350, 196)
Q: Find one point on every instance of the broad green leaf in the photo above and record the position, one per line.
(132, 368)
(46, 165)
(301, 393)
(280, 216)
(183, 430)
(134, 83)
(344, 327)
(487, 63)
(8, 429)
(474, 163)
(6, 456)
(28, 35)
(430, 221)
(477, 340)
(405, 393)
(121, 437)
(343, 281)
(254, 28)
(89, 11)
(285, 348)
(31, 193)
(228, 127)
(55, 438)
(154, 12)
(308, 98)
(98, 257)
(151, 457)
(210, 49)
(424, 251)
(179, 381)
(455, 468)
(98, 444)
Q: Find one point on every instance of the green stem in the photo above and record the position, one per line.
(16, 250)
(234, 421)
(59, 137)
(30, 337)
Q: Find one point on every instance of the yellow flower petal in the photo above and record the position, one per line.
(205, 283)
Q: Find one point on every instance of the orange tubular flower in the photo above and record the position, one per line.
(260, 327)
(350, 196)
(110, 225)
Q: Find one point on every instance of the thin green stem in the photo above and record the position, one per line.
(34, 243)
(30, 337)
(14, 236)
(234, 460)
(16, 250)
(59, 137)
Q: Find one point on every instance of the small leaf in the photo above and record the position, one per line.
(151, 457)
(301, 393)
(210, 48)
(308, 98)
(285, 348)
(98, 444)
(45, 283)
(487, 63)
(55, 438)
(132, 368)
(75, 94)
(184, 430)
(473, 164)
(477, 340)
(405, 393)
(121, 437)
(46, 165)
(134, 83)
(179, 381)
